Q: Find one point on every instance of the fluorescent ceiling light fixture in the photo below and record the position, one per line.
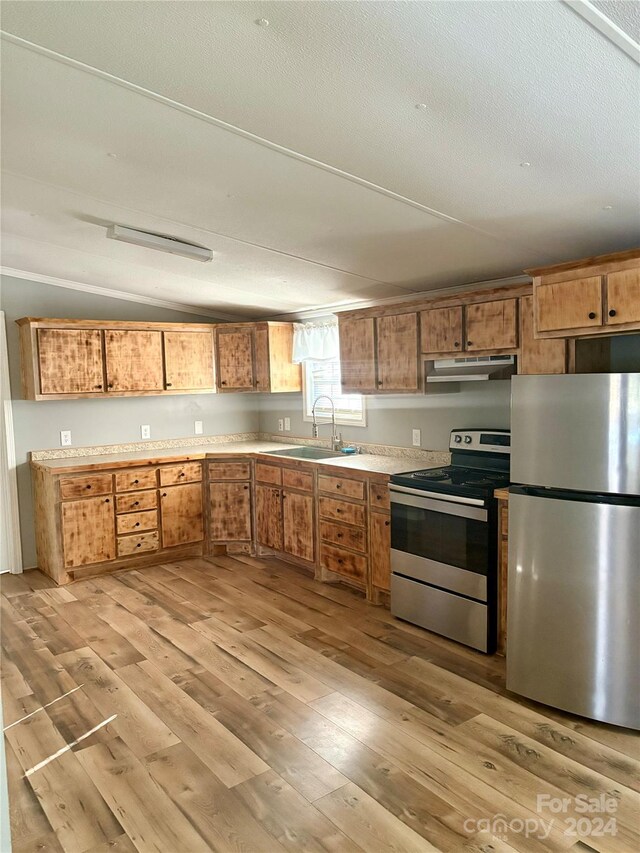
(160, 242)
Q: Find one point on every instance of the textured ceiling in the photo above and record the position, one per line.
(372, 197)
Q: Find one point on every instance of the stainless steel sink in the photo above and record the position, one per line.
(305, 453)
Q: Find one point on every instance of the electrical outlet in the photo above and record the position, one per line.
(65, 438)
(197, 427)
(280, 425)
(287, 424)
(417, 439)
(145, 431)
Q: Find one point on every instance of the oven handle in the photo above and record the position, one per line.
(450, 505)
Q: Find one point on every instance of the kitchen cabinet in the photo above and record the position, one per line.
(344, 549)
(380, 550)
(488, 326)
(442, 330)
(256, 357)
(189, 361)
(593, 296)
(397, 351)
(230, 511)
(133, 360)
(298, 525)
(62, 359)
(181, 515)
(269, 517)
(88, 531)
(285, 511)
(69, 361)
(537, 355)
(358, 355)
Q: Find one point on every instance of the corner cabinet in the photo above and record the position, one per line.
(256, 357)
(593, 296)
(489, 327)
(67, 359)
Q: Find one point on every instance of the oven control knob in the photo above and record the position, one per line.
(467, 439)
(457, 439)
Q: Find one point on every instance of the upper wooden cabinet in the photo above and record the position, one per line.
(592, 296)
(539, 356)
(480, 327)
(188, 360)
(358, 354)
(256, 357)
(63, 359)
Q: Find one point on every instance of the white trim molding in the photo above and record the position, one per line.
(10, 546)
(118, 294)
(606, 27)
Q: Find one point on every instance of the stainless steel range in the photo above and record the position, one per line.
(444, 540)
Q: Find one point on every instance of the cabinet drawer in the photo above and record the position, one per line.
(342, 511)
(268, 474)
(341, 486)
(134, 522)
(135, 544)
(229, 471)
(137, 501)
(189, 472)
(139, 478)
(379, 496)
(504, 520)
(343, 562)
(85, 487)
(340, 534)
(302, 480)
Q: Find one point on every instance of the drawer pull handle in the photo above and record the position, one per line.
(106, 500)
(456, 343)
(338, 486)
(224, 382)
(469, 343)
(139, 545)
(136, 482)
(168, 384)
(387, 523)
(339, 511)
(592, 315)
(110, 385)
(340, 535)
(181, 474)
(245, 488)
(137, 524)
(136, 503)
(98, 387)
(341, 561)
(88, 487)
(612, 313)
(164, 494)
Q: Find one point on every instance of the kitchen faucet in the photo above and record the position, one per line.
(336, 440)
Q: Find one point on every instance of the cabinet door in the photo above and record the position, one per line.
(70, 361)
(623, 297)
(491, 325)
(88, 531)
(188, 361)
(181, 515)
(398, 353)
(299, 533)
(235, 359)
(284, 376)
(573, 304)
(357, 355)
(269, 517)
(134, 360)
(230, 509)
(380, 550)
(538, 355)
(441, 330)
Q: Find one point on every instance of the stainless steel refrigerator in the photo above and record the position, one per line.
(573, 624)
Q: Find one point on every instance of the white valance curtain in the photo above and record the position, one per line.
(315, 341)
(10, 550)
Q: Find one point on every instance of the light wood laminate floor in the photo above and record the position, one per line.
(237, 705)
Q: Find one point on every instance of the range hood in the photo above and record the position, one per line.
(470, 369)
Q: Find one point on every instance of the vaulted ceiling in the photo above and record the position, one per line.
(328, 152)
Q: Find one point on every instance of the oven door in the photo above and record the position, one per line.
(441, 540)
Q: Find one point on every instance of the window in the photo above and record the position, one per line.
(323, 377)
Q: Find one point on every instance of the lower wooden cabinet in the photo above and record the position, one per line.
(230, 512)
(181, 515)
(88, 531)
(269, 517)
(380, 550)
(297, 525)
(285, 517)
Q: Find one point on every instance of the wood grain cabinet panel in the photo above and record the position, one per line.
(341, 534)
(379, 497)
(623, 297)
(69, 361)
(230, 511)
(135, 522)
(538, 355)
(136, 502)
(302, 480)
(572, 304)
(173, 475)
(342, 562)
(138, 478)
(229, 471)
(133, 360)
(131, 545)
(181, 515)
(441, 330)
(342, 511)
(269, 517)
(298, 525)
(234, 352)
(380, 550)
(491, 325)
(85, 487)
(357, 355)
(88, 531)
(275, 372)
(188, 361)
(397, 349)
(269, 473)
(341, 486)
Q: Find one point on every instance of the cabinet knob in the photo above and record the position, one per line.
(379, 383)
(469, 343)
(136, 503)
(110, 385)
(181, 474)
(106, 500)
(283, 497)
(612, 313)
(387, 523)
(88, 487)
(164, 494)
(456, 343)
(137, 524)
(340, 535)
(98, 387)
(339, 511)
(338, 486)
(245, 488)
(135, 482)
(592, 315)
(223, 382)
(341, 561)
(168, 384)
(139, 545)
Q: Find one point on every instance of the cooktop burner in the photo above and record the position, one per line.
(456, 479)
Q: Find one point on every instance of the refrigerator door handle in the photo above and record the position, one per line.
(572, 495)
